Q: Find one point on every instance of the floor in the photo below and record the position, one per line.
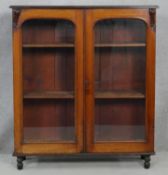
(159, 166)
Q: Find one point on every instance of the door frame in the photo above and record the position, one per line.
(19, 17)
(92, 16)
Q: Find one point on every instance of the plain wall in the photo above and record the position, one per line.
(6, 67)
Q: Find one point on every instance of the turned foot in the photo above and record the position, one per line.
(20, 162)
(147, 161)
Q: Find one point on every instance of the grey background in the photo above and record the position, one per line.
(6, 68)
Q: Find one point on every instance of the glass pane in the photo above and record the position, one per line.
(120, 64)
(48, 121)
(48, 81)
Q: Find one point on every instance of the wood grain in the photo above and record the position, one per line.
(118, 67)
(48, 46)
(49, 95)
(119, 95)
(49, 71)
(78, 70)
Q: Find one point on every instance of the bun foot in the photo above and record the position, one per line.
(20, 162)
(147, 161)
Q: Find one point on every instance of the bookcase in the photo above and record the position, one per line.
(84, 81)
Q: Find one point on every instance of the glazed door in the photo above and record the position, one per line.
(48, 46)
(119, 81)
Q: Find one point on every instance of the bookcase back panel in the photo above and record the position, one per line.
(119, 120)
(48, 81)
(120, 69)
(120, 55)
(48, 120)
(120, 31)
(119, 80)
(48, 32)
(48, 70)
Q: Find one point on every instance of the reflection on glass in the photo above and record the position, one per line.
(120, 63)
(48, 81)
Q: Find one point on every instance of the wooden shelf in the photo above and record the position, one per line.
(120, 95)
(104, 45)
(49, 95)
(49, 134)
(124, 133)
(64, 45)
(98, 95)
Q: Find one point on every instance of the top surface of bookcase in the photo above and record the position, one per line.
(82, 7)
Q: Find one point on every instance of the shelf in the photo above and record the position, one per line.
(128, 133)
(49, 134)
(98, 95)
(104, 45)
(49, 95)
(119, 95)
(64, 45)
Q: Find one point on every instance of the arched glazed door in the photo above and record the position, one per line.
(118, 78)
(47, 45)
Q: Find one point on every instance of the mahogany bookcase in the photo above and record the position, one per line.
(84, 81)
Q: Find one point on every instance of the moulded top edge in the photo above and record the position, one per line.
(18, 7)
